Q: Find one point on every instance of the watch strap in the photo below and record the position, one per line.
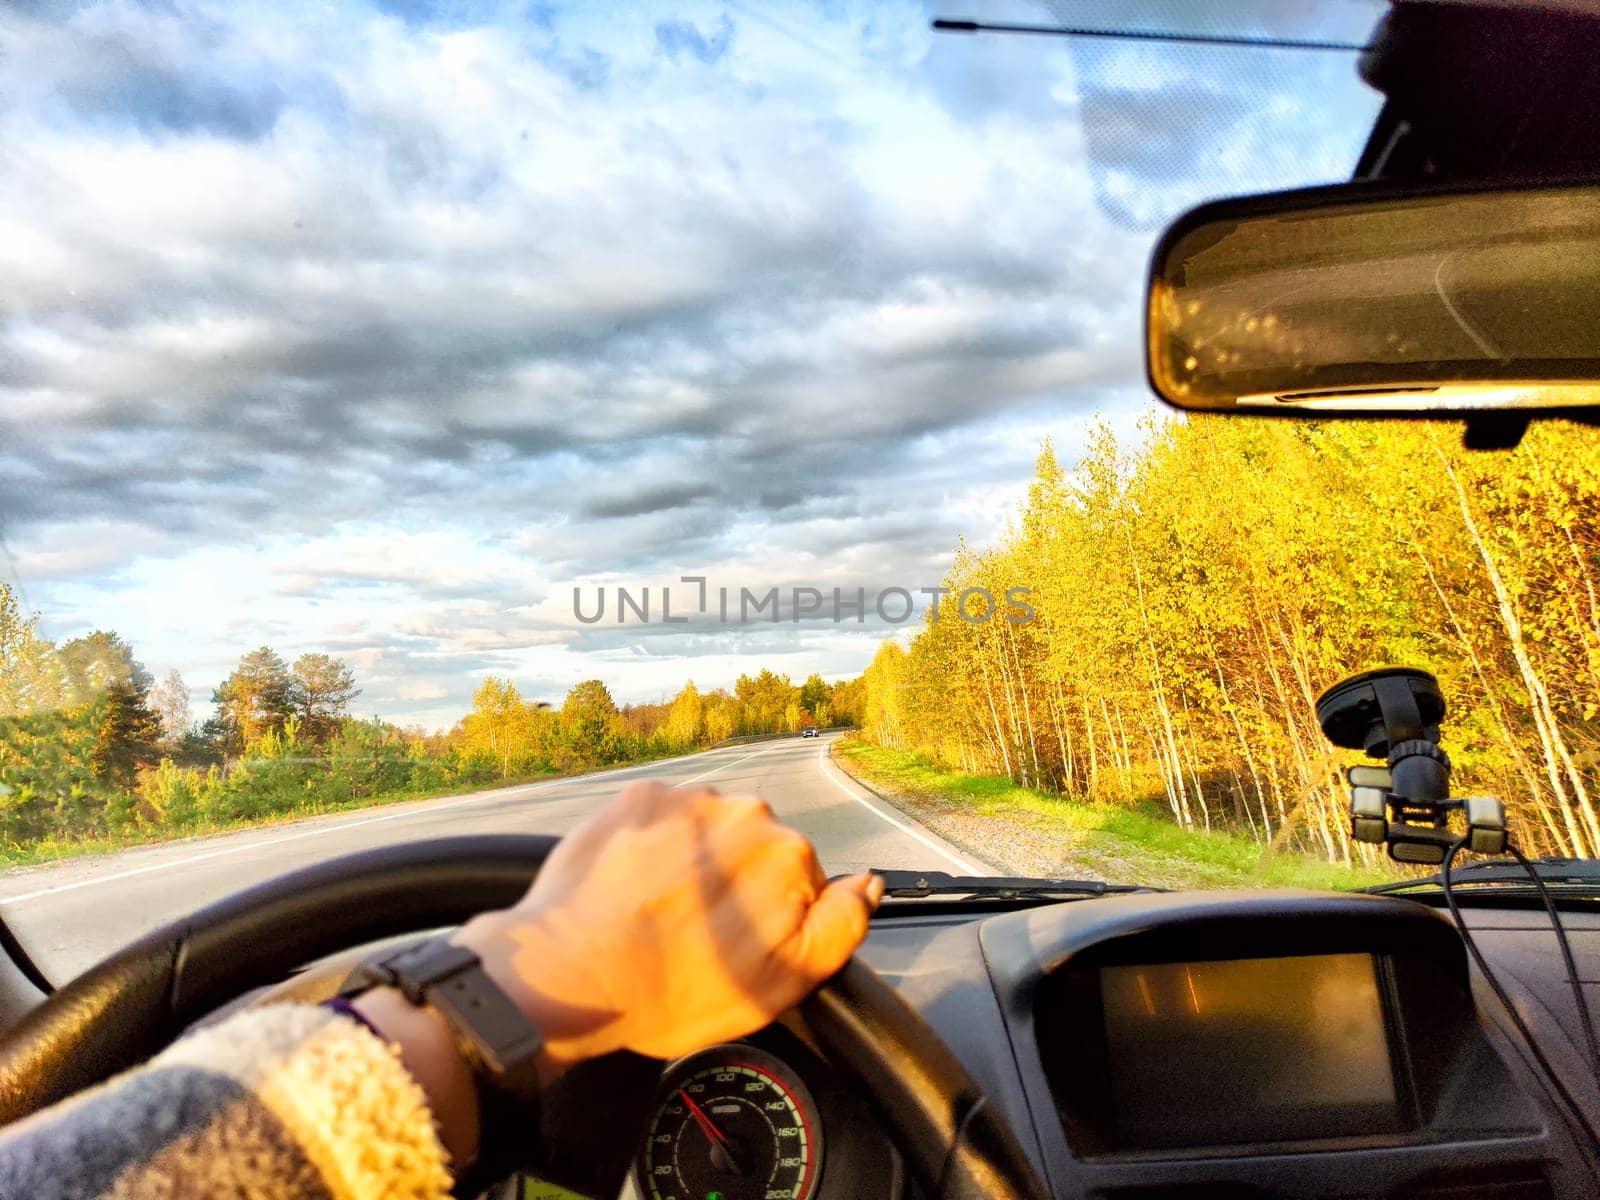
(495, 1036)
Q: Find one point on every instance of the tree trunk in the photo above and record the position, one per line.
(1558, 759)
(1567, 843)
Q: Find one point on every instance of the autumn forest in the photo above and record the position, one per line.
(1194, 593)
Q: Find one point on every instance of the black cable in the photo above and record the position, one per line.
(1505, 1000)
(948, 25)
(1566, 956)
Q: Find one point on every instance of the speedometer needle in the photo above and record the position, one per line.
(713, 1134)
(721, 1154)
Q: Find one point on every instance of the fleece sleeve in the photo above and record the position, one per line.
(288, 1102)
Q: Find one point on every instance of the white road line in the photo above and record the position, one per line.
(195, 858)
(726, 765)
(965, 867)
(321, 830)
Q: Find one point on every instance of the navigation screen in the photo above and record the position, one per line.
(1247, 1050)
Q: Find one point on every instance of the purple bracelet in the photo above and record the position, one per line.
(343, 1006)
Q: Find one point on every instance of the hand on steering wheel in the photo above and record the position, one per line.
(671, 920)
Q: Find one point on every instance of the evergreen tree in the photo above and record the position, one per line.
(128, 735)
(321, 688)
(255, 699)
(587, 721)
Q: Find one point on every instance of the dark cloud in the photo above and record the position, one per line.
(1156, 142)
(160, 70)
(1163, 126)
(50, 8)
(315, 422)
(652, 500)
(585, 68)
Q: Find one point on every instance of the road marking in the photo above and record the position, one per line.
(965, 867)
(196, 858)
(320, 830)
(726, 765)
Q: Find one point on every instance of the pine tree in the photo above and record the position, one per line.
(128, 735)
(321, 688)
(255, 699)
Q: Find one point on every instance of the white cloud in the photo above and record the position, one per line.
(337, 330)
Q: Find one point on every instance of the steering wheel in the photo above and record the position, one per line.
(131, 1005)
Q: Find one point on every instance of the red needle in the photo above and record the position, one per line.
(711, 1131)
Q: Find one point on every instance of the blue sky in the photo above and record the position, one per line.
(379, 328)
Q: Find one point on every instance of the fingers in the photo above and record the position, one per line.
(836, 924)
(648, 798)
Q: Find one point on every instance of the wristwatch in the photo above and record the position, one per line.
(496, 1037)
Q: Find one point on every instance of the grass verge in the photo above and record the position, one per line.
(1039, 833)
(48, 851)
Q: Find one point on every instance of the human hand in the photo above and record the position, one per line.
(672, 919)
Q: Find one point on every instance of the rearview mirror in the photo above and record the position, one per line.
(1369, 298)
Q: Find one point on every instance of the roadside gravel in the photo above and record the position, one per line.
(1012, 842)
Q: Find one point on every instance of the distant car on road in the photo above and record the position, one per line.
(809, 731)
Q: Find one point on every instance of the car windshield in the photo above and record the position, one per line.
(419, 419)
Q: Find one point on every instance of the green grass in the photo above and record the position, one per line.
(49, 850)
(1127, 845)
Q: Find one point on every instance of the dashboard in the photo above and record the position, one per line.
(1155, 1046)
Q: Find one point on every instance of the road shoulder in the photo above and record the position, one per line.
(1024, 832)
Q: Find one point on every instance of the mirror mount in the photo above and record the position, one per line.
(1495, 431)
(1474, 90)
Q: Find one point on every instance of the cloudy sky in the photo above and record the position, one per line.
(379, 328)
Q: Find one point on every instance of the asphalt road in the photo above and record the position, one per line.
(71, 914)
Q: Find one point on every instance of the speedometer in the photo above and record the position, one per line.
(735, 1123)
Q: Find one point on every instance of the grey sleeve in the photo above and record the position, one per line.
(285, 1103)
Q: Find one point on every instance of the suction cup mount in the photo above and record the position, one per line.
(1393, 713)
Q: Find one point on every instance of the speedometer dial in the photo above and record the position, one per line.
(735, 1123)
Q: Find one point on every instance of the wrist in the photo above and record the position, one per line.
(549, 983)
(430, 1054)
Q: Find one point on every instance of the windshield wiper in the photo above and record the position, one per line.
(1557, 874)
(917, 884)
